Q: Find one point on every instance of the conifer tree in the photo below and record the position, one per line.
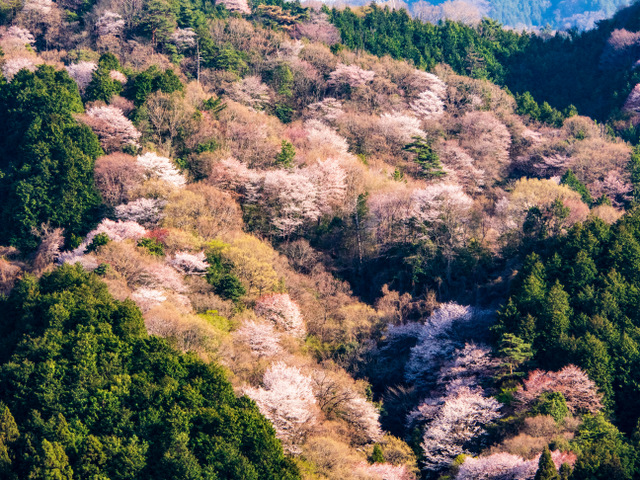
(425, 157)
(546, 467)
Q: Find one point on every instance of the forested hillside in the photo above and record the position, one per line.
(255, 241)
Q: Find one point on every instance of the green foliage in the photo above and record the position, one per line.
(86, 393)
(546, 468)
(515, 350)
(287, 154)
(214, 105)
(553, 404)
(144, 83)
(283, 80)
(220, 275)
(634, 170)
(102, 86)
(426, 158)
(576, 302)
(377, 456)
(284, 112)
(570, 180)
(46, 157)
(152, 245)
(98, 241)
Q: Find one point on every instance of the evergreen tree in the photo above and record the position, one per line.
(570, 180)
(516, 351)
(546, 467)
(287, 153)
(425, 157)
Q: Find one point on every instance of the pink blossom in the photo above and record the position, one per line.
(184, 38)
(109, 23)
(145, 211)
(320, 136)
(263, 340)
(350, 75)
(388, 471)
(250, 91)
(12, 66)
(162, 168)
(240, 6)
(112, 128)
(118, 76)
(82, 73)
(147, 298)
(428, 105)
(328, 110)
(283, 312)
(189, 264)
(579, 391)
(330, 181)
(287, 400)
(399, 127)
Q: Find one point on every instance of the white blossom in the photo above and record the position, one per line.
(162, 168)
(11, 66)
(145, 211)
(82, 73)
(261, 337)
(279, 309)
(189, 264)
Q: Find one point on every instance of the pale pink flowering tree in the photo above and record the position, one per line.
(349, 75)
(488, 141)
(283, 312)
(323, 137)
(632, 103)
(189, 263)
(460, 166)
(115, 230)
(454, 421)
(328, 110)
(330, 181)
(578, 389)
(16, 38)
(388, 471)
(261, 337)
(82, 73)
(118, 76)
(162, 168)
(147, 298)
(240, 6)
(390, 211)
(318, 29)
(399, 128)
(42, 7)
(437, 338)
(287, 400)
(428, 105)
(184, 38)
(110, 23)
(250, 91)
(145, 211)
(364, 416)
(505, 466)
(442, 203)
(112, 128)
(11, 66)
(290, 197)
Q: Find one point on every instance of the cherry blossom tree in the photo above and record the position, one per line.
(318, 29)
(632, 104)
(147, 298)
(189, 263)
(460, 166)
(261, 337)
(437, 338)
(323, 137)
(578, 389)
(82, 73)
(287, 400)
(110, 23)
(488, 141)
(388, 471)
(184, 38)
(330, 181)
(118, 76)
(390, 211)
(112, 128)
(240, 6)
(289, 197)
(454, 421)
(283, 312)
(349, 75)
(250, 91)
(11, 66)
(15, 39)
(328, 110)
(399, 128)
(145, 211)
(428, 105)
(161, 167)
(503, 466)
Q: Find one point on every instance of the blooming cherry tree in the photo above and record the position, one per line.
(261, 337)
(82, 73)
(189, 263)
(145, 211)
(351, 75)
(287, 400)
(112, 128)
(11, 66)
(162, 168)
(279, 309)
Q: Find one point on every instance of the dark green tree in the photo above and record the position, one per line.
(287, 153)
(570, 180)
(426, 158)
(515, 350)
(546, 467)
(46, 157)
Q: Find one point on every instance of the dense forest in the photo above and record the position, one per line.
(274, 240)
